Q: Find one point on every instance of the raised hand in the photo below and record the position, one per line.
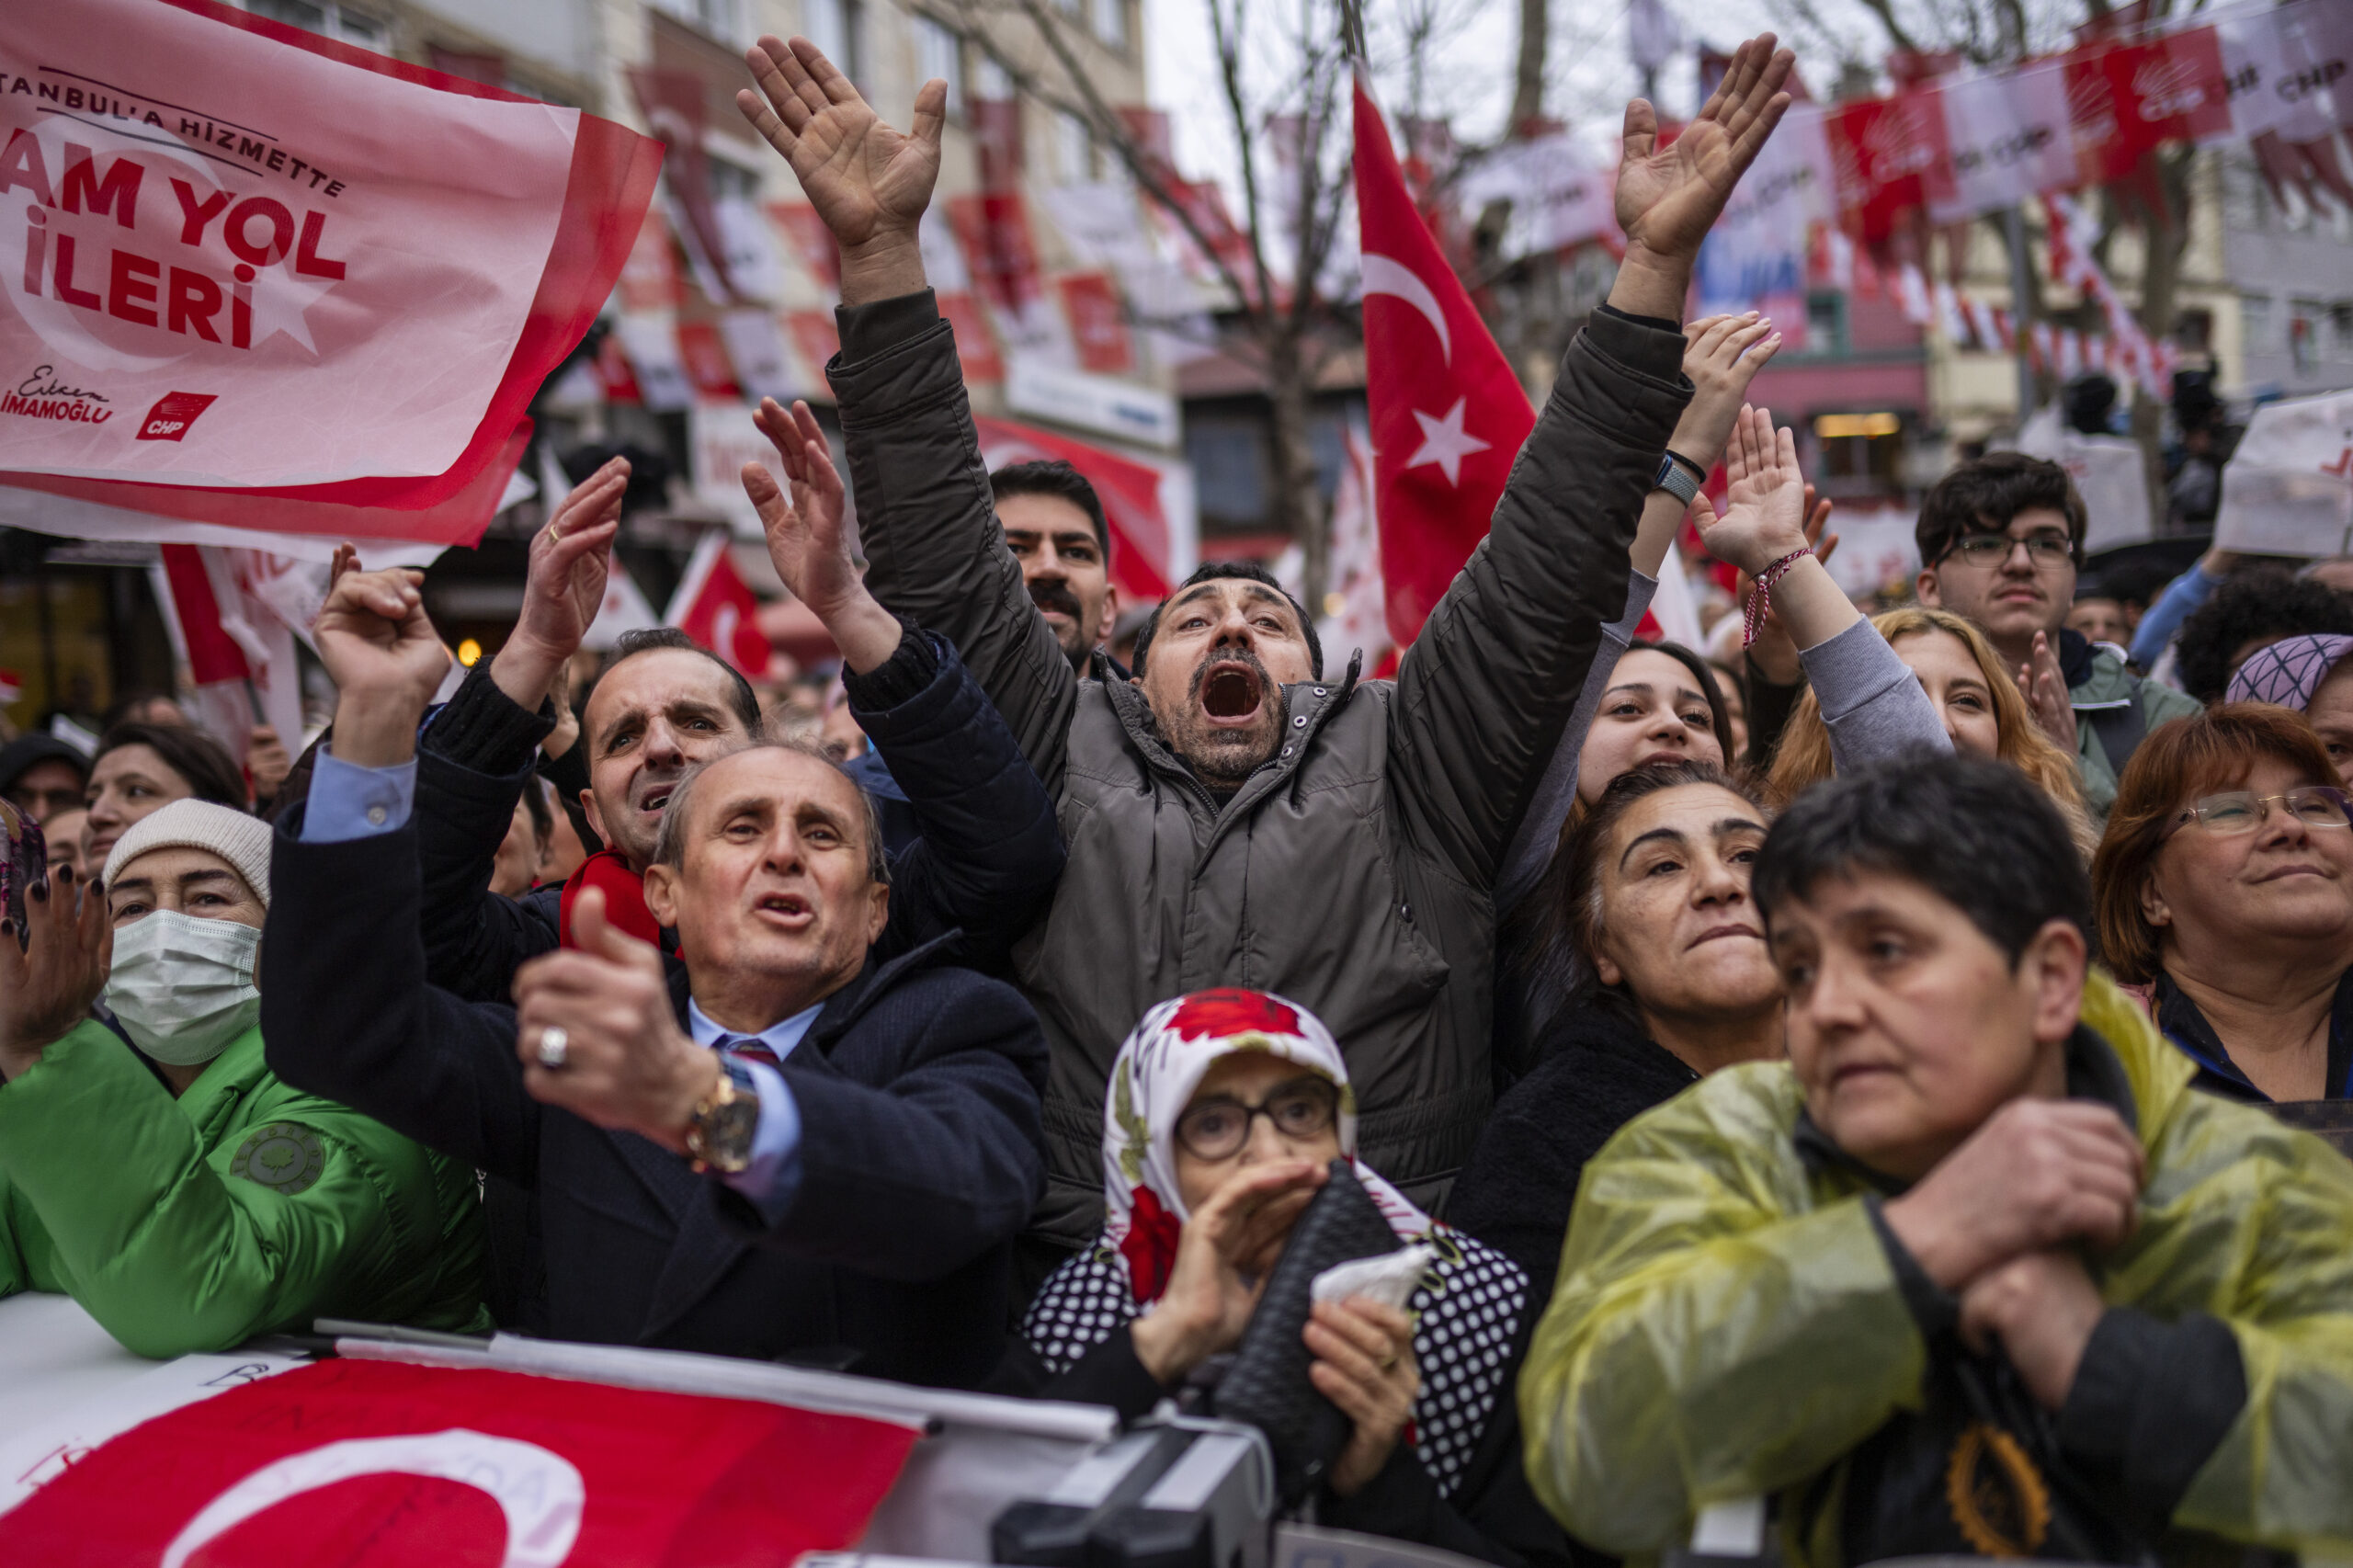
(868, 182)
(808, 540)
(1763, 517)
(2045, 686)
(1668, 197)
(47, 987)
(1223, 1256)
(267, 762)
(386, 660)
(565, 586)
(1721, 355)
(626, 1064)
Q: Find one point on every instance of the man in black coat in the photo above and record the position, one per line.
(864, 1130)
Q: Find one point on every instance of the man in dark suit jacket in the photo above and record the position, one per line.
(864, 1134)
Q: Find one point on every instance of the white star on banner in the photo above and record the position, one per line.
(1444, 443)
(280, 300)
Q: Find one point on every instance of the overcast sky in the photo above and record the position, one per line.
(1467, 78)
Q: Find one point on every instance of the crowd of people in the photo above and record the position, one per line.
(1849, 1076)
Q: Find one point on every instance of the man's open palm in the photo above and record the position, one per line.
(1668, 197)
(867, 180)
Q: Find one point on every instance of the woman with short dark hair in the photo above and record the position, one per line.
(2224, 889)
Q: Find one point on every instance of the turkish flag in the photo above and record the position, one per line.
(716, 608)
(1448, 414)
(373, 1464)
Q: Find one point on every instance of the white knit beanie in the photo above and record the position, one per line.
(242, 840)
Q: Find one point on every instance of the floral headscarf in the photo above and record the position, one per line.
(1467, 1308)
(1154, 1080)
(2290, 671)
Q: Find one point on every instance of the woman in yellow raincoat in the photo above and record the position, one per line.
(1975, 1271)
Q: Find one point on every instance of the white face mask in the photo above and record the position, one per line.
(184, 987)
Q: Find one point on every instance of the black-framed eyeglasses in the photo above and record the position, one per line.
(2234, 812)
(1216, 1129)
(2046, 551)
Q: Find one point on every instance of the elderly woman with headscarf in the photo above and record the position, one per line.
(181, 1193)
(1225, 1109)
(2310, 675)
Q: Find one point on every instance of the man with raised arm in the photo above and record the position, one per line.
(1235, 814)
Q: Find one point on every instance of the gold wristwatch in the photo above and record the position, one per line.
(720, 1128)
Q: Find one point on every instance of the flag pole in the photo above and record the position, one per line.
(1352, 31)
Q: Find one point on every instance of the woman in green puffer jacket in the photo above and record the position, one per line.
(180, 1192)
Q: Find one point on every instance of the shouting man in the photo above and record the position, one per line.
(1236, 815)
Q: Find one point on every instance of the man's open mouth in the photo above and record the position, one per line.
(656, 796)
(1231, 692)
(789, 908)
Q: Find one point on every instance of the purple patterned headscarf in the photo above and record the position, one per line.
(2289, 671)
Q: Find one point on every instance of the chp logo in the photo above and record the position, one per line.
(172, 413)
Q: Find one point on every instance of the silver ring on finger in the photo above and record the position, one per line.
(556, 1047)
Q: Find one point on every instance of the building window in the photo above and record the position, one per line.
(722, 19)
(1074, 149)
(939, 53)
(1826, 322)
(2255, 322)
(837, 28)
(2193, 330)
(1111, 22)
(2340, 329)
(1860, 454)
(328, 18)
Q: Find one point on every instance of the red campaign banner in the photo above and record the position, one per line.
(992, 230)
(250, 261)
(975, 344)
(1883, 151)
(1129, 490)
(816, 336)
(704, 356)
(369, 1464)
(2126, 99)
(1099, 322)
(997, 142)
(810, 239)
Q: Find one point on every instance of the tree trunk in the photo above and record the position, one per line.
(2164, 238)
(1528, 79)
(1299, 505)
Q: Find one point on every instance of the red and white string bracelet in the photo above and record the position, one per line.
(1760, 601)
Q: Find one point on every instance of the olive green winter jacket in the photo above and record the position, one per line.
(1729, 1320)
(243, 1207)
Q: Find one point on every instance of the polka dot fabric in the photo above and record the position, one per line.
(1466, 1312)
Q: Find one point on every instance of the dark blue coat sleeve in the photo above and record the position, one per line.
(347, 1011)
(990, 850)
(473, 760)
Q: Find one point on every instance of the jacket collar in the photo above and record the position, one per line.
(227, 1082)
(1308, 706)
(853, 1000)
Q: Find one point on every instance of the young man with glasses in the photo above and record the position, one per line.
(2001, 539)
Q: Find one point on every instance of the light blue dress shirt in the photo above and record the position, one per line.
(349, 801)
